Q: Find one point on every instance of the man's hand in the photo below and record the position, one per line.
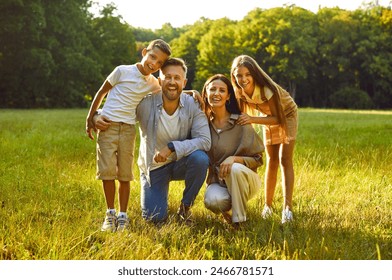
(162, 155)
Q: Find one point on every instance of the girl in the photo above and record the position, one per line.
(263, 101)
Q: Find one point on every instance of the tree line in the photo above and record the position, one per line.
(56, 54)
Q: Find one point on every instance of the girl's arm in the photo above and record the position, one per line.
(268, 120)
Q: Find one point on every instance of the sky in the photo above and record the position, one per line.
(152, 14)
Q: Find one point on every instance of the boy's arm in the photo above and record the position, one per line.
(197, 96)
(99, 96)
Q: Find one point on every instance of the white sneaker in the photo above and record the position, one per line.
(110, 222)
(287, 215)
(267, 212)
(122, 223)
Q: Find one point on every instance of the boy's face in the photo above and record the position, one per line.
(152, 60)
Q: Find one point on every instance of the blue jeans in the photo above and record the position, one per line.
(154, 197)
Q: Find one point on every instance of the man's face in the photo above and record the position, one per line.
(172, 80)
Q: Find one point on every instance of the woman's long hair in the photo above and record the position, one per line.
(231, 105)
(262, 79)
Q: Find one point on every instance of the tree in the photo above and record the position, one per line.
(143, 35)
(215, 49)
(68, 26)
(186, 47)
(56, 54)
(167, 32)
(24, 63)
(114, 42)
(350, 98)
(373, 54)
(283, 42)
(336, 43)
(45, 58)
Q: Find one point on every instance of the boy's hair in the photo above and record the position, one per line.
(160, 44)
(176, 62)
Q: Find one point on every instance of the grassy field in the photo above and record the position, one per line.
(51, 206)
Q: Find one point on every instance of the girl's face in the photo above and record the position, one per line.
(244, 79)
(217, 94)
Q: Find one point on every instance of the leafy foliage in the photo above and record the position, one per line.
(57, 54)
(350, 98)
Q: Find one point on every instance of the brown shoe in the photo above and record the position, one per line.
(227, 217)
(184, 213)
(237, 226)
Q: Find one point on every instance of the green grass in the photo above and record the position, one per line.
(51, 206)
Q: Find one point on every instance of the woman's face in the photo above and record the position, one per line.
(244, 79)
(217, 93)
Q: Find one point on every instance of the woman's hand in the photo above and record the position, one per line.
(244, 119)
(225, 167)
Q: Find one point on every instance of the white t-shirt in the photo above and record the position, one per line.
(168, 130)
(129, 88)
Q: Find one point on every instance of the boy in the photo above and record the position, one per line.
(126, 86)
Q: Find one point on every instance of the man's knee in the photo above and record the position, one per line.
(199, 158)
(155, 216)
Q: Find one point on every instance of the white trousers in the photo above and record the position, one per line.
(242, 185)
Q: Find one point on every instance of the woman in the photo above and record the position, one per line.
(265, 102)
(235, 153)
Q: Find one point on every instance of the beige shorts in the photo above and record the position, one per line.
(115, 148)
(273, 134)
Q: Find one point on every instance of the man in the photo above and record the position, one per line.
(174, 136)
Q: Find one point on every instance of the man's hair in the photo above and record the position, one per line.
(160, 44)
(174, 61)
